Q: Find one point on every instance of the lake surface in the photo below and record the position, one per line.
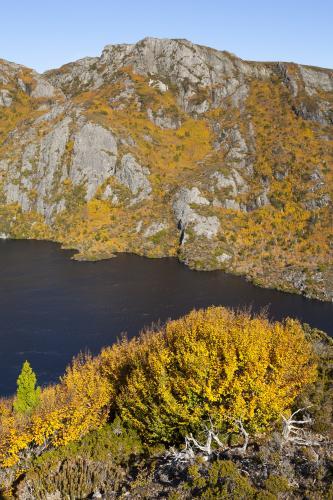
(51, 307)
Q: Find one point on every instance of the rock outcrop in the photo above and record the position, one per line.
(135, 177)
(186, 216)
(94, 157)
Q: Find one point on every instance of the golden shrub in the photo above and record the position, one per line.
(67, 411)
(217, 364)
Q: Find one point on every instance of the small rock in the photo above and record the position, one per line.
(157, 84)
(162, 120)
(224, 257)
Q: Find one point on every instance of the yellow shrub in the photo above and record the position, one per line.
(213, 363)
(14, 435)
(67, 411)
(85, 394)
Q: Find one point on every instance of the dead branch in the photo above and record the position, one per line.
(192, 445)
(293, 431)
(246, 436)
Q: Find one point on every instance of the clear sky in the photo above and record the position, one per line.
(48, 33)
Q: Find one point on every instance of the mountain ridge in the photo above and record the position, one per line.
(167, 148)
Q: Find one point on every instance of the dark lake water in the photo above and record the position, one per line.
(51, 307)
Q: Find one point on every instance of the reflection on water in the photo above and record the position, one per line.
(51, 307)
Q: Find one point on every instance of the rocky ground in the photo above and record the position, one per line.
(166, 148)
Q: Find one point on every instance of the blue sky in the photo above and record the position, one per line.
(46, 34)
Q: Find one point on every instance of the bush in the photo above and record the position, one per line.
(66, 412)
(212, 363)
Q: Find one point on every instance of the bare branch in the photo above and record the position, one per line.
(293, 432)
(191, 444)
(245, 434)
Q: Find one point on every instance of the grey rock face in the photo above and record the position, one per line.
(190, 68)
(5, 98)
(206, 226)
(135, 177)
(52, 149)
(127, 141)
(296, 278)
(184, 198)
(316, 79)
(198, 109)
(110, 195)
(233, 182)
(51, 114)
(232, 141)
(94, 157)
(3, 79)
(319, 112)
(93, 161)
(185, 64)
(125, 96)
(162, 120)
(179, 59)
(76, 76)
(288, 79)
(186, 216)
(14, 194)
(312, 81)
(231, 204)
(239, 147)
(235, 88)
(154, 228)
(223, 181)
(11, 73)
(320, 202)
(29, 157)
(40, 163)
(139, 226)
(42, 89)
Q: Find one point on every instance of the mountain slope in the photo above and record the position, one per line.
(167, 148)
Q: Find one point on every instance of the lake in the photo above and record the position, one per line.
(51, 307)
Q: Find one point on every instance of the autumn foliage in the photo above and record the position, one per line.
(212, 363)
(67, 411)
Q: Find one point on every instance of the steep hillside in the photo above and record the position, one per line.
(167, 148)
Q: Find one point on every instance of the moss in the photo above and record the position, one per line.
(222, 480)
(277, 485)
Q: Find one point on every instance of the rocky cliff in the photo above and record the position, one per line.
(167, 148)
